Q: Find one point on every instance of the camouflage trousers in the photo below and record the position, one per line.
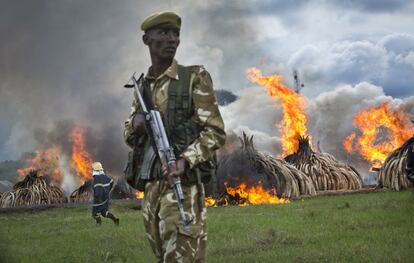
(164, 228)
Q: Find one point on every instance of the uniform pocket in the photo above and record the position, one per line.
(193, 231)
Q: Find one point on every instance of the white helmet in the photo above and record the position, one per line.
(97, 166)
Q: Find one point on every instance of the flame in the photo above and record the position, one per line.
(209, 201)
(348, 142)
(46, 163)
(81, 160)
(294, 123)
(382, 130)
(255, 195)
(139, 195)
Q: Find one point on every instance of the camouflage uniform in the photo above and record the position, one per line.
(169, 241)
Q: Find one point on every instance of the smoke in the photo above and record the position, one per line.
(70, 181)
(55, 67)
(330, 117)
(56, 164)
(387, 62)
(99, 143)
(373, 5)
(256, 114)
(69, 60)
(63, 63)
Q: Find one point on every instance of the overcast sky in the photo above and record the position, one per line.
(66, 60)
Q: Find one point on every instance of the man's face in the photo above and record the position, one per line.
(162, 42)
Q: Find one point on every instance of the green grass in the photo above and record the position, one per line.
(375, 227)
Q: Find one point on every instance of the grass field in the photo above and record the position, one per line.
(375, 227)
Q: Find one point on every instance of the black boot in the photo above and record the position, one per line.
(111, 216)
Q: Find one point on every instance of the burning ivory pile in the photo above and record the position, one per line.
(32, 190)
(83, 194)
(392, 174)
(247, 166)
(323, 169)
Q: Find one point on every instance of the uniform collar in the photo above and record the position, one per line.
(171, 72)
(97, 172)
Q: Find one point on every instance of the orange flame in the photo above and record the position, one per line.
(382, 131)
(46, 163)
(294, 123)
(139, 195)
(348, 142)
(255, 195)
(209, 201)
(81, 160)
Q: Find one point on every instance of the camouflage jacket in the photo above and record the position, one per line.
(206, 112)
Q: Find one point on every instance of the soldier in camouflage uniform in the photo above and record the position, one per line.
(177, 90)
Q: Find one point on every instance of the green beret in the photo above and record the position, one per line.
(161, 18)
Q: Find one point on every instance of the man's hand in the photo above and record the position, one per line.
(138, 122)
(176, 170)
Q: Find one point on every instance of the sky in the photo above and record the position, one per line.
(64, 62)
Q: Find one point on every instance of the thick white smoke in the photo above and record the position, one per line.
(69, 60)
(388, 63)
(330, 117)
(254, 113)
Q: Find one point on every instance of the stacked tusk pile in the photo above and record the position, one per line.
(291, 181)
(248, 165)
(32, 190)
(393, 173)
(323, 169)
(83, 194)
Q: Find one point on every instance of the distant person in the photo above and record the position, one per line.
(102, 185)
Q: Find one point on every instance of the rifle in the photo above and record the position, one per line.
(159, 140)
